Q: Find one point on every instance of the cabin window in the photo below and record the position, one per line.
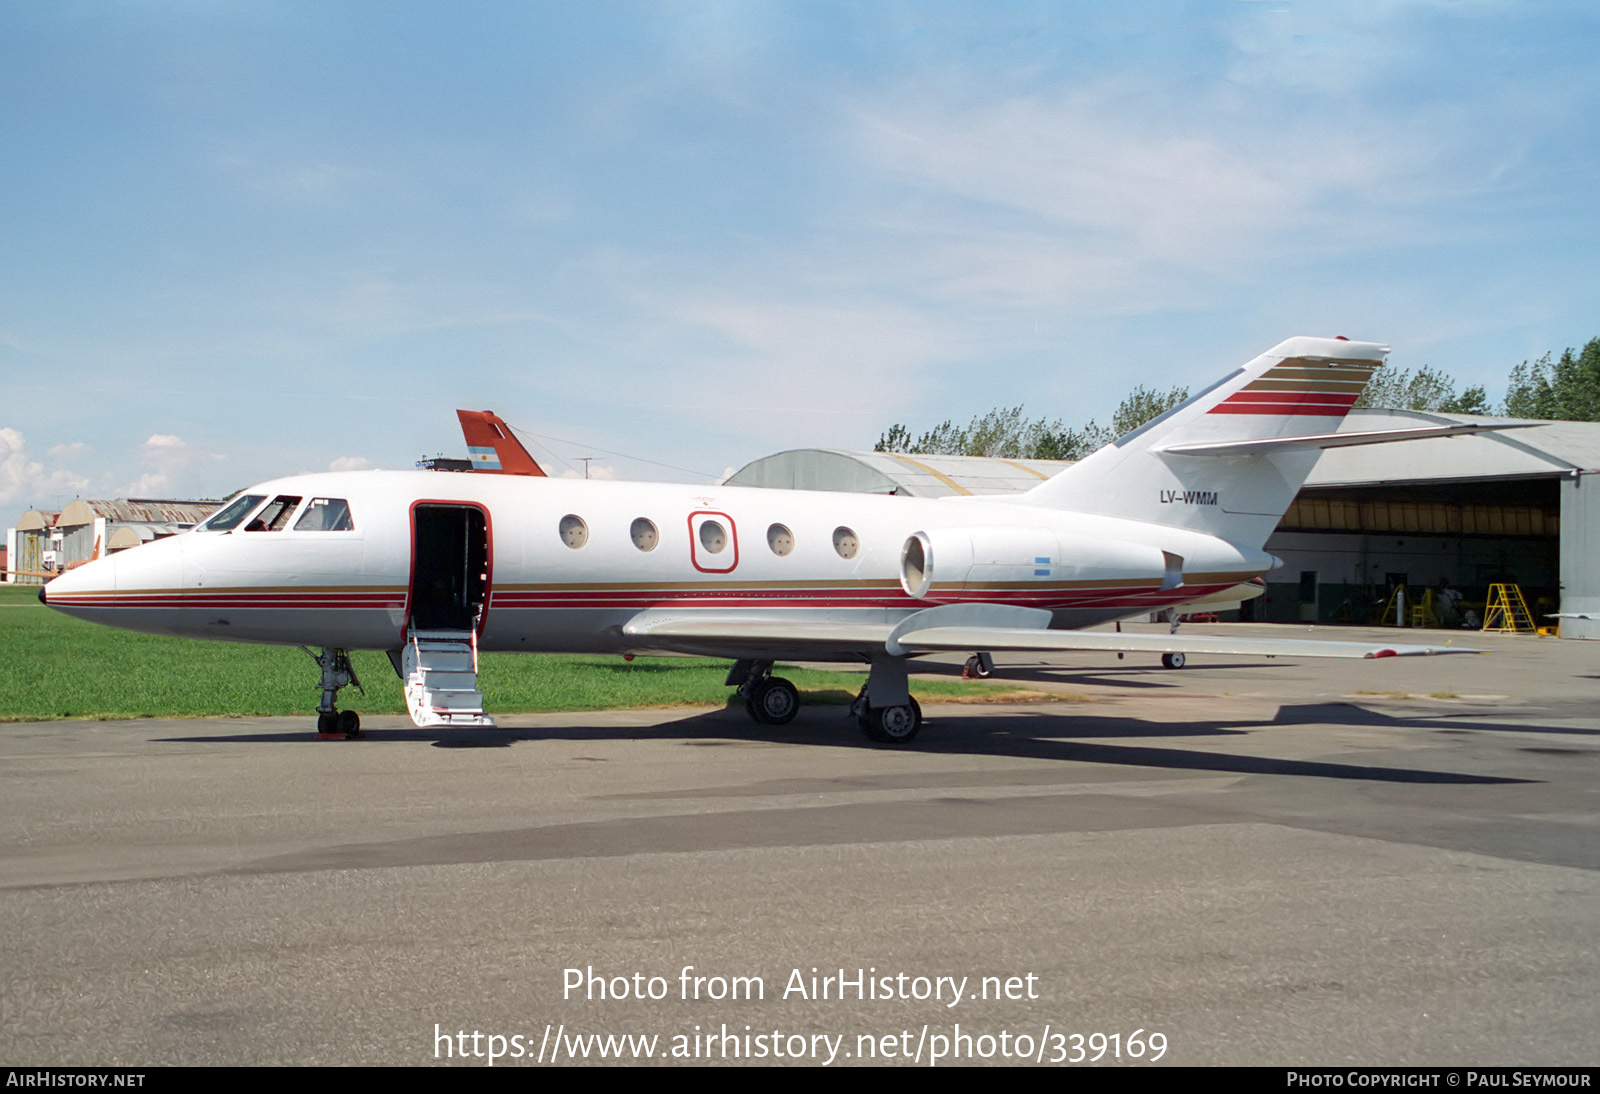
(780, 539)
(574, 532)
(713, 542)
(845, 542)
(645, 536)
(325, 515)
(274, 516)
(232, 514)
(713, 537)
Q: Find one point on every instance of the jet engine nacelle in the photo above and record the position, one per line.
(1019, 556)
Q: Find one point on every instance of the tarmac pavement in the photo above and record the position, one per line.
(1262, 862)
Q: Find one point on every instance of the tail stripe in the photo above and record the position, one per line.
(1292, 388)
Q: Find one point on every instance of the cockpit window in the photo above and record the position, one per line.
(274, 516)
(229, 516)
(325, 515)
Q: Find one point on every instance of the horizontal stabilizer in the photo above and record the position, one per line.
(1334, 440)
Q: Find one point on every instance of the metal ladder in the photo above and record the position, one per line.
(440, 669)
(1507, 611)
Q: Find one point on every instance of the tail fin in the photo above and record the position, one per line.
(491, 446)
(1180, 470)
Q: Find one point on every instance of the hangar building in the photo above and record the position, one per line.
(1521, 506)
(44, 542)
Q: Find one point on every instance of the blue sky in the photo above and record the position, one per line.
(247, 239)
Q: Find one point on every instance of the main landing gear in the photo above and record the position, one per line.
(885, 710)
(895, 725)
(1172, 660)
(887, 713)
(770, 700)
(337, 672)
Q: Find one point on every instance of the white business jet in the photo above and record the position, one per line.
(434, 567)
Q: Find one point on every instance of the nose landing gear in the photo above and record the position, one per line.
(337, 673)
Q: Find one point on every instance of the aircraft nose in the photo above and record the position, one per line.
(63, 590)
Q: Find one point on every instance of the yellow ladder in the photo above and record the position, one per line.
(1507, 611)
(1423, 613)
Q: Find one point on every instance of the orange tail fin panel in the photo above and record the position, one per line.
(492, 448)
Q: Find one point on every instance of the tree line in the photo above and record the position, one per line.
(1565, 388)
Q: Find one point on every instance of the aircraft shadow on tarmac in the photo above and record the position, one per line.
(1018, 733)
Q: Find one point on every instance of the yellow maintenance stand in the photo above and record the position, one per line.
(1507, 612)
(1404, 611)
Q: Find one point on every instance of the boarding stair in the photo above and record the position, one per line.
(1507, 611)
(440, 669)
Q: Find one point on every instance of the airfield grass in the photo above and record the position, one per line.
(53, 666)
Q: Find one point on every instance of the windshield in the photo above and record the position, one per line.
(229, 516)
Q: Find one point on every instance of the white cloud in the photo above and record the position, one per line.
(288, 181)
(168, 461)
(1067, 193)
(25, 480)
(349, 463)
(68, 451)
(152, 484)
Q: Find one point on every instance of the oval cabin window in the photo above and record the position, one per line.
(574, 532)
(780, 539)
(845, 542)
(713, 537)
(645, 536)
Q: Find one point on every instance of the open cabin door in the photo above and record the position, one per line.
(449, 567)
(450, 573)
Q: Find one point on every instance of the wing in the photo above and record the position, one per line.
(961, 628)
(934, 639)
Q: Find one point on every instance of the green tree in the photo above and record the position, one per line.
(1567, 389)
(1425, 389)
(1007, 434)
(1143, 405)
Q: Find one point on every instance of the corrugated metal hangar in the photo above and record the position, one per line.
(46, 542)
(1519, 507)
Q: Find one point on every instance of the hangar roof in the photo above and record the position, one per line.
(136, 511)
(1543, 450)
(892, 473)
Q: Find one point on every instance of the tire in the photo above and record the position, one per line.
(349, 724)
(893, 725)
(773, 702)
(328, 724)
(1173, 660)
(975, 669)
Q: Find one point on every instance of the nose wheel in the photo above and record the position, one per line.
(339, 723)
(337, 673)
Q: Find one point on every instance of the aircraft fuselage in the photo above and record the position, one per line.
(556, 565)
